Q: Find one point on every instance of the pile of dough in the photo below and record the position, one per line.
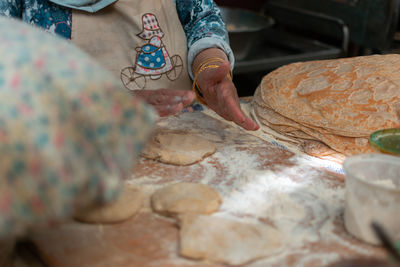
(127, 204)
(335, 103)
(226, 241)
(178, 148)
(185, 198)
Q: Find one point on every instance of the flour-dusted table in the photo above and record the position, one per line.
(259, 182)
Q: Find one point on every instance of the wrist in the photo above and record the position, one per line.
(208, 65)
(207, 54)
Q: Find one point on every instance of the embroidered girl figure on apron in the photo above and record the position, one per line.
(152, 59)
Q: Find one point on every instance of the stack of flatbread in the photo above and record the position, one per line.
(331, 106)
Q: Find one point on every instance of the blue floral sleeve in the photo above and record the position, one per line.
(51, 17)
(204, 27)
(11, 8)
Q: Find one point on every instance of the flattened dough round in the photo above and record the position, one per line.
(127, 204)
(224, 240)
(178, 148)
(185, 198)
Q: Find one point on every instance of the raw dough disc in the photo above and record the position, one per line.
(178, 148)
(127, 204)
(185, 198)
(227, 241)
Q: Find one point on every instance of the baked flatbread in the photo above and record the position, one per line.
(350, 96)
(336, 102)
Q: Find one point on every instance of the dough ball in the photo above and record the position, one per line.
(127, 204)
(226, 241)
(178, 148)
(185, 198)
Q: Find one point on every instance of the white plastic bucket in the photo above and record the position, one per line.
(372, 195)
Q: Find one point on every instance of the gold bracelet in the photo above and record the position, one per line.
(209, 60)
(206, 64)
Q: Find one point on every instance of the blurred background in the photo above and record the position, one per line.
(266, 34)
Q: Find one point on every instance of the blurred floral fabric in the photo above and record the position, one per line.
(69, 133)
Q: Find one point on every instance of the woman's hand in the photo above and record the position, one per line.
(219, 92)
(166, 101)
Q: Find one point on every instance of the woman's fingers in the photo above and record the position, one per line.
(222, 97)
(234, 113)
(220, 94)
(168, 110)
(167, 101)
(167, 96)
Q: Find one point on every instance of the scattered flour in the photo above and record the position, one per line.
(298, 198)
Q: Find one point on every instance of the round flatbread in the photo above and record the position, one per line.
(337, 102)
(185, 198)
(178, 148)
(350, 96)
(127, 204)
(227, 241)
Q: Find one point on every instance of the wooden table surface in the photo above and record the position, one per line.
(259, 182)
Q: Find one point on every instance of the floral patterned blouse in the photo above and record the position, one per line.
(69, 134)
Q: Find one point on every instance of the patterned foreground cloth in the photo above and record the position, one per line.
(68, 132)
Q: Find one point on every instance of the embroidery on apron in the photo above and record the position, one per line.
(152, 59)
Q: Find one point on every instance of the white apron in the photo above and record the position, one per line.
(140, 41)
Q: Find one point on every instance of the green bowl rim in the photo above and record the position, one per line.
(376, 144)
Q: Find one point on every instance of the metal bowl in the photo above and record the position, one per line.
(245, 28)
